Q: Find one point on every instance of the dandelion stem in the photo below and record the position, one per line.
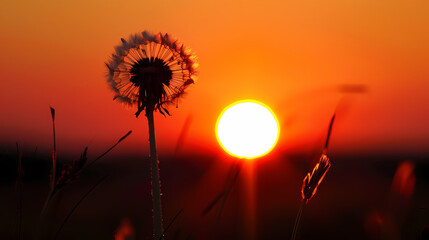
(297, 220)
(156, 189)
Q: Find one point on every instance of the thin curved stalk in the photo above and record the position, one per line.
(108, 150)
(46, 204)
(77, 205)
(171, 222)
(297, 221)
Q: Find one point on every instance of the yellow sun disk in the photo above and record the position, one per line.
(247, 129)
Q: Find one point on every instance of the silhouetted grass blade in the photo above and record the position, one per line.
(171, 223)
(110, 149)
(329, 132)
(77, 205)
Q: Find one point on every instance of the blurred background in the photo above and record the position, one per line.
(368, 61)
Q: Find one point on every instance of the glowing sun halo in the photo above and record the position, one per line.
(247, 129)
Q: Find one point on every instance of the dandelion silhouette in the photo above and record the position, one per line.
(151, 71)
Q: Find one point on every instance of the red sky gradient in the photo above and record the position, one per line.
(295, 56)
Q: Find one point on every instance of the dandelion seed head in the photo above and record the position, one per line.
(151, 71)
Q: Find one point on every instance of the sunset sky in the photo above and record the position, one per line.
(367, 60)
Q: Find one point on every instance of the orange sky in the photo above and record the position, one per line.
(292, 55)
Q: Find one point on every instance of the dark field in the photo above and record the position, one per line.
(356, 200)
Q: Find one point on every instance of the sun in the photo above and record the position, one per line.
(247, 129)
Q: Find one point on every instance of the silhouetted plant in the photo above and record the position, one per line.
(312, 181)
(314, 178)
(222, 196)
(70, 172)
(150, 71)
